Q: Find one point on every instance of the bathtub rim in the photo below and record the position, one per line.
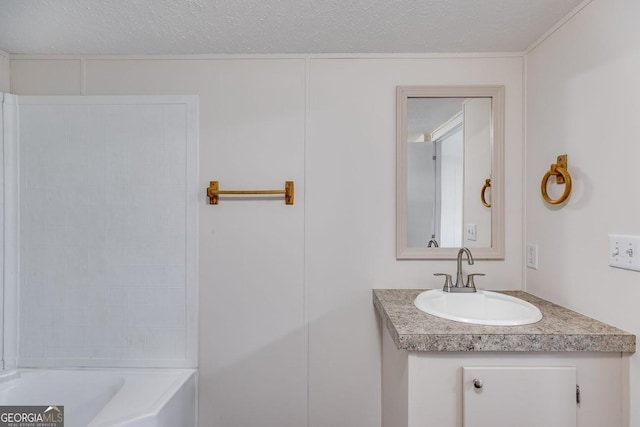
(149, 408)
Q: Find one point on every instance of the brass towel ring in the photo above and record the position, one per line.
(559, 170)
(487, 184)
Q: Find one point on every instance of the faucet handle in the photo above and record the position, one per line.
(448, 283)
(470, 283)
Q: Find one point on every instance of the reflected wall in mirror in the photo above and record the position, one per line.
(449, 171)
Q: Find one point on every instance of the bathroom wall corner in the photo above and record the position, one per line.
(10, 227)
(5, 72)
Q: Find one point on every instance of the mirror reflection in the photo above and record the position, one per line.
(449, 170)
(448, 160)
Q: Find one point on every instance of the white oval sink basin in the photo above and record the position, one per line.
(480, 308)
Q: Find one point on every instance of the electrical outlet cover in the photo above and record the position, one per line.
(471, 232)
(532, 256)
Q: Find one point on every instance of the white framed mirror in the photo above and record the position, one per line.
(450, 171)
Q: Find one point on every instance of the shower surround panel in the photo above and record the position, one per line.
(108, 221)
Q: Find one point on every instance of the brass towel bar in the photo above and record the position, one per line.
(213, 192)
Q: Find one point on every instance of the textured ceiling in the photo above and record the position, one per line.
(274, 26)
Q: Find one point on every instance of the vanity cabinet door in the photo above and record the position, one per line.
(519, 396)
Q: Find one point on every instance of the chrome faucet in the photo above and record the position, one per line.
(460, 286)
(459, 278)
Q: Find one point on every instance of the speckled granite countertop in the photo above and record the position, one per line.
(559, 330)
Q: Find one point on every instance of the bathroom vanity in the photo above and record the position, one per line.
(567, 369)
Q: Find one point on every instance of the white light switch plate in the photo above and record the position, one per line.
(471, 232)
(624, 251)
(532, 256)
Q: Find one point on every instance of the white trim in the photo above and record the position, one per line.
(2, 226)
(450, 126)
(72, 363)
(5, 72)
(193, 227)
(83, 76)
(109, 100)
(11, 226)
(557, 26)
(523, 189)
(272, 56)
(305, 280)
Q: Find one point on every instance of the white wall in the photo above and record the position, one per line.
(420, 193)
(477, 168)
(452, 173)
(5, 65)
(350, 220)
(583, 99)
(288, 333)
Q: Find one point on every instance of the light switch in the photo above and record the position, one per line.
(532, 256)
(624, 251)
(471, 232)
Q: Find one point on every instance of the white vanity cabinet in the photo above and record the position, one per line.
(529, 373)
(433, 389)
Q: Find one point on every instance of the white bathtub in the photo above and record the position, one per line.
(107, 397)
